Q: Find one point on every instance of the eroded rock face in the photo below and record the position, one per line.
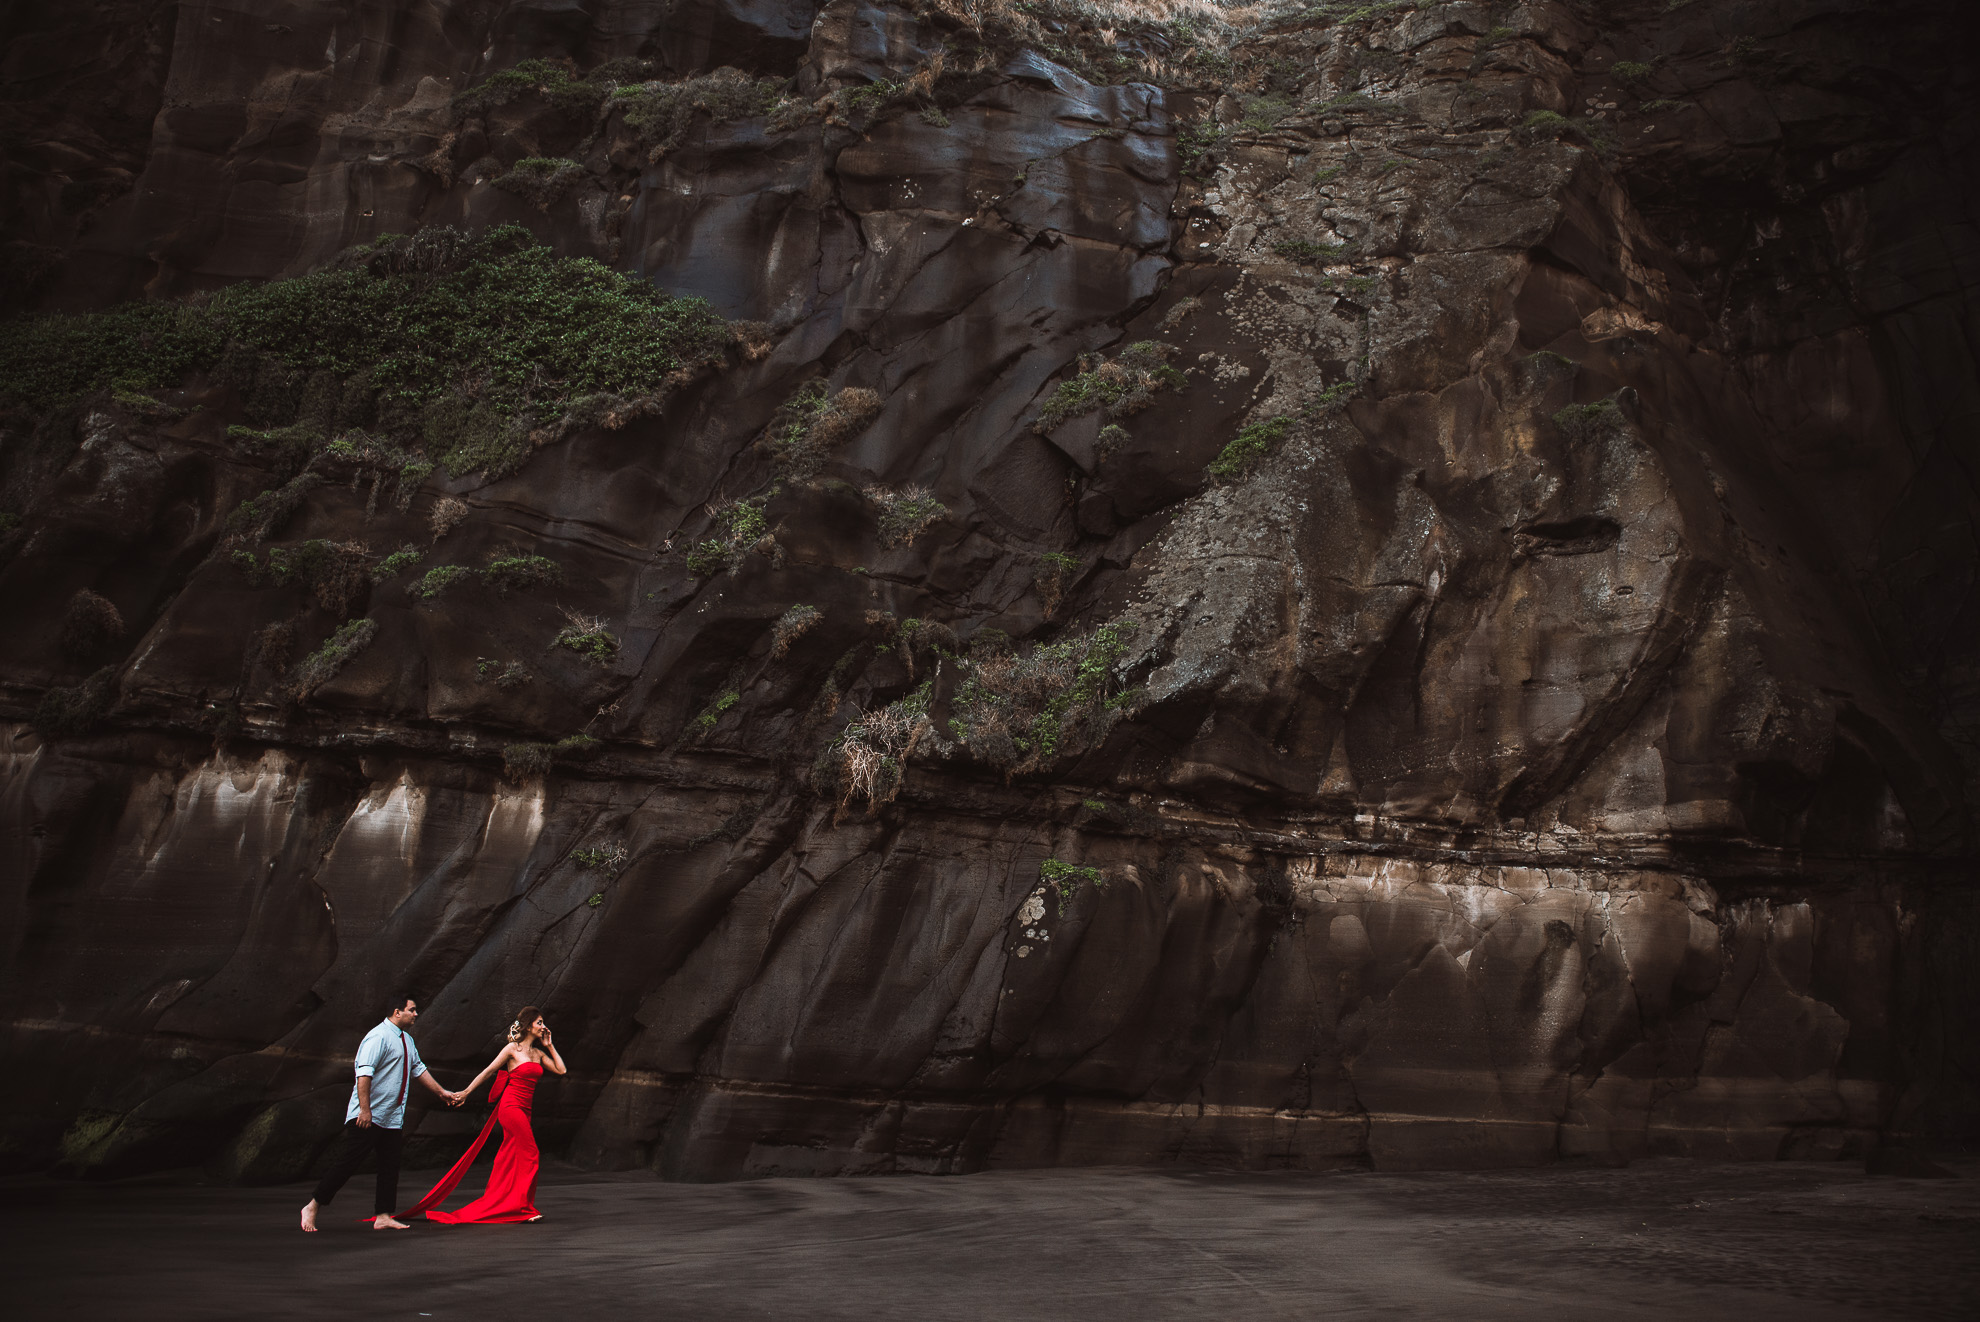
(1525, 708)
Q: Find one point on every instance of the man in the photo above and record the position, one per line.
(387, 1063)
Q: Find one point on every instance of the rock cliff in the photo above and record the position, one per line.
(1126, 582)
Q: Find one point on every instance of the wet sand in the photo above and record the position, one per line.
(1661, 1239)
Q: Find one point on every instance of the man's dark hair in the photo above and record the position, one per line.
(399, 1003)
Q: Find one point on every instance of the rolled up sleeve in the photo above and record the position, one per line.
(369, 1056)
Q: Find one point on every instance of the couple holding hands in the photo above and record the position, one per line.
(374, 1120)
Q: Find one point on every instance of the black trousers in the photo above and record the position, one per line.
(353, 1145)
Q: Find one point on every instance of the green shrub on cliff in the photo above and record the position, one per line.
(542, 179)
(1065, 879)
(905, 513)
(1248, 447)
(75, 709)
(322, 665)
(1017, 712)
(396, 563)
(438, 579)
(814, 422)
(412, 317)
(661, 113)
(515, 573)
(554, 82)
(1124, 385)
(589, 638)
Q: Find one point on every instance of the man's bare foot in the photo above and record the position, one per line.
(388, 1222)
(309, 1216)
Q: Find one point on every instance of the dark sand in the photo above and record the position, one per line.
(1662, 1239)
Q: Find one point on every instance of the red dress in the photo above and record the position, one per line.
(511, 1192)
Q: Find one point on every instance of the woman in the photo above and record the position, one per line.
(511, 1192)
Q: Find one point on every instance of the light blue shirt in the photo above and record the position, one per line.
(389, 1059)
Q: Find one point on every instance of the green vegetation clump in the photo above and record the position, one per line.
(608, 859)
(322, 665)
(514, 573)
(813, 423)
(1018, 712)
(905, 513)
(554, 82)
(1123, 386)
(747, 529)
(91, 623)
(792, 625)
(71, 710)
(1585, 422)
(260, 517)
(868, 760)
(1056, 574)
(438, 579)
(1306, 252)
(396, 563)
(543, 180)
(332, 572)
(1662, 104)
(589, 638)
(1630, 70)
(502, 674)
(1065, 880)
(468, 340)
(1196, 145)
(712, 713)
(535, 759)
(1248, 447)
(1545, 119)
(662, 113)
(1263, 113)
(1111, 438)
(287, 450)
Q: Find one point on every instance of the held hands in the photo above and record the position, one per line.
(455, 1098)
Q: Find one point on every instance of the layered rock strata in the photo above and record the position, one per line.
(1394, 591)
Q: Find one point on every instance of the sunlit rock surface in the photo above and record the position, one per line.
(1557, 742)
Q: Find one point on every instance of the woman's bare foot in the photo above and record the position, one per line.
(386, 1221)
(309, 1216)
